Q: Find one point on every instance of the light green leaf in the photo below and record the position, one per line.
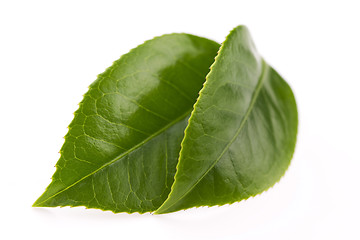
(122, 149)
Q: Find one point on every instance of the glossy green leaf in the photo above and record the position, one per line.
(122, 149)
(241, 135)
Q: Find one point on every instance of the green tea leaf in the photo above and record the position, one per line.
(241, 134)
(122, 149)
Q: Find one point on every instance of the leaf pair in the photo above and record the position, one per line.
(158, 132)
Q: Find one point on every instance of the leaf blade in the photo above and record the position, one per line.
(201, 178)
(122, 113)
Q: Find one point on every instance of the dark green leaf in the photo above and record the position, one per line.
(241, 134)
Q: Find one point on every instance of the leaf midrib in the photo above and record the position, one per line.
(254, 97)
(121, 155)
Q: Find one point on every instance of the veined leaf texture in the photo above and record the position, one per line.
(167, 128)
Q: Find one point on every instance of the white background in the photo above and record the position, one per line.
(50, 51)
